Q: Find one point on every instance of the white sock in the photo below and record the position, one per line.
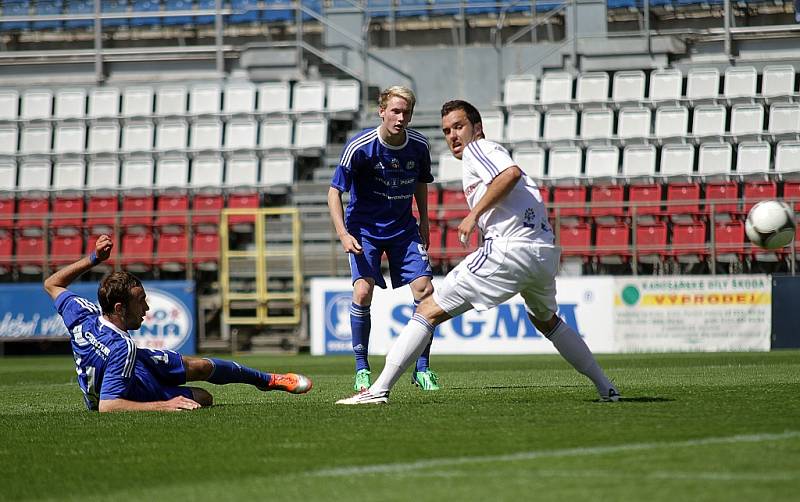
(409, 345)
(572, 348)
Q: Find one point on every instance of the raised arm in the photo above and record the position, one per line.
(500, 186)
(58, 282)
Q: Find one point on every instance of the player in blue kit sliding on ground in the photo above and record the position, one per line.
(113, 373)
(384, 169)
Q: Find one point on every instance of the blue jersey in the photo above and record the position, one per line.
(105, 356)
(382, 179)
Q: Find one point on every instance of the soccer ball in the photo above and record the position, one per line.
(770, 224)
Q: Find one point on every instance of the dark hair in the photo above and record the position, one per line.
(116, 288)
(472, 113)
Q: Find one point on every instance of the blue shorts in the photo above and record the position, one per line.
(407, 256)
(157, 376)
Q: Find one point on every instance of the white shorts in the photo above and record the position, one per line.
(499, 270)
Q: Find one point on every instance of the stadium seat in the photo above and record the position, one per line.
(672, 123)
(645, 202)
(677, 161)
(531, 161)
(172, 252)
(171, 135)
(519, 90)
(276, 13)
(145, 6)
(137, 213)
(48, 8)
(709, 121)
(493, 125)
(628, 86)
(172, 171)
(639, 163)
(791, 194)
(633, 123)
(276, 134)
(36, 104)
(206, 210)
(560, 125)
(575, 241)
(137, 136)
(665, 85)
(137, 172)
(78, 7)
(137, 101)
(724, 198)
(597, 125)
(67, 217)
(70, 103)
(454, 206)
(65, 249)
(592, 88)
(241, 134)
(69, 173)
(679, 192)
(16, 9)
(9, 104)
(729, 241)
(8, 139)
(753, 158)
(689, 242)
(102, 173)
(103, 102)
(449, 168)
(747, 120)
(206, 134)
(787, 158)
(207, 171)
(31, 215)
(101, 213)
(344, 96)
(756, 191)
(7, 206)
(784, 121)
(30, 254)
(34, 174)
(436, 247)
(70, 137)
(273, 97)
(115, 7)
(602, 163)
(714, 159)
(611, 244)
(171, 100)
(740, 82)
(308, 96)
(242, 170)
(240, 97)
(454, 251)
(103, 137)
(556, 88)
(702, 84)
(242, 222)
(311, 133)
(564, 164)
(523, 126)
(245, 12)
(6, 253)
(608, 204)
(205, 251)
(205, 99)
(35, 138)
(137, 252)
(574, 196)
(651, 243)
(777, 81)
(277, 170)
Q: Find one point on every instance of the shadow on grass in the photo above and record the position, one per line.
(642, 399)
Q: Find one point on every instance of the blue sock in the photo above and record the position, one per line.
(231, 372)
(360, 325)
(423, 359)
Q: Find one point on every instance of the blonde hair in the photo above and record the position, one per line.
(397, 91)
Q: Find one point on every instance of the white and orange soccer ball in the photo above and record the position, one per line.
(770, 224)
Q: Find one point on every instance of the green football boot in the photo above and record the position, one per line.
(362, 380)
(426, 380)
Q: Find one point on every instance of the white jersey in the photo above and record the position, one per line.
(521, 214)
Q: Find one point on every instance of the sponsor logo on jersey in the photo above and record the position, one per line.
(411, 165)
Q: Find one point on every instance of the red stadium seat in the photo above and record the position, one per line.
(173, 251)
(172, 213)
(651, 242)
(433, 204)
(611, 244)
(6, 253)
(30, 254)
(576, 240)
(137, 213)
(607, 203)
(791, 194)
(435, 252)
(66, 249)
(729, 239)
(544, 191)
(689, 242)
(680, 192)
(454, 251)
(6, 214)
(137, 252)
(757, 191)
(645, 202)
(242, 222)
(205, 251)
(454, 206)
(725, 196)
(571, 195)
(206, 211)
(101, 213)
(31, 215)
(67, 215)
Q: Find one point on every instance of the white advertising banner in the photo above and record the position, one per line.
(585, 303)
(693, 313)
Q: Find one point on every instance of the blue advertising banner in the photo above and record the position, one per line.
(27, 313)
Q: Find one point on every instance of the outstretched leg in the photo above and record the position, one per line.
(221, 371)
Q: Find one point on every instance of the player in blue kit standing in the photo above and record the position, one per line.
(113, 373)
(384, 169)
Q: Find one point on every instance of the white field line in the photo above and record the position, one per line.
(608, 474)
(530, 455)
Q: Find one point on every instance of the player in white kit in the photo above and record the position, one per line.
(518, 256)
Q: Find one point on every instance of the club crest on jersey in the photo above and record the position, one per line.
(395, 163)
(529, 220)
(410, 165)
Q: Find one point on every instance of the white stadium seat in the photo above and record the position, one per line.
(70, 137)
(777, 80)
(344, 96)
(597, 124)
(103, 102)
(171, 100)
(787, 157)
(137, 136)
(740, 81)
(8, 174)
(103, 137)
(34, 174)
(531, 161)
(276, 133)
(8, 139)
(207, 171)
(205, 99)
(137, 172)
(671, 122)
(665, 85)
(714, 159)
(556, 88)
(702, 84)
(240, 97)
(522, 126)
(242, 170)
(102, 173)
(564, 162)
(633, 123)
(172, 171)
(277, 170)
(171, 135)
(206, 134)
(493, 125)
(137, 101)
(273, 97)
(241, 133)
(519, 90)
(747, 120)
(784, 119)
(753, 157)
(68, 174)
(592, 87)
(677, 160)
(639, 161)
(311, 133)
(9, 104)
(35, 138)
(602, 162)
(308, 96)
(628, 86)
(709, 120)
(560, 125)
(36, 104)
(449, 168)
(70, 103)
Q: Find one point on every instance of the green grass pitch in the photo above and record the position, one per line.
(697, 427)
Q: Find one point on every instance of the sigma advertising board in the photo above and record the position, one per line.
(585, 304)
(27, 313)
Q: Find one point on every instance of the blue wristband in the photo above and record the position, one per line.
(93, 258)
